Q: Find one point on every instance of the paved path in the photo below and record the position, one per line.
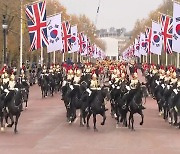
(43, 130)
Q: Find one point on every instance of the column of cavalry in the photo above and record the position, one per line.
(90, 87)
(14, 91)
(164, 86)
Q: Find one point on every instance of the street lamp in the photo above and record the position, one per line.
(4, 26)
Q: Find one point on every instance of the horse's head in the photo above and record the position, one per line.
(83, 85)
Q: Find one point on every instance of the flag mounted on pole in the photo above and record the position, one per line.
(142, 49)
(54, 33)
(36, 16)
(74, 40)
(176, 28)
(148, 33)
(156, 39)
(136, 48)
(66, 36)
(167, 30)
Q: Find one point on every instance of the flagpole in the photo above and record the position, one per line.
(54, 57)
(166, 59)
(150, 58)
(41, 56)
(146, 58)
(21, 36)
(73, 56)
(63, 57)
(143, 59)
(158, 59)
(177, 60)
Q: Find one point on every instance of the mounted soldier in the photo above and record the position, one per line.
(12, 82)
(70, 75)
(134, 81)
(5, 78)
(94, 83)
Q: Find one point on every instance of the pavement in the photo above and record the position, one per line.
(43, 130)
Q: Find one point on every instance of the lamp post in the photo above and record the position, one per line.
(4, 26)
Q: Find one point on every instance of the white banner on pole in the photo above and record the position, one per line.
(176, 28)
(156, 39)
(142, 49)
(136, 48)
(54, 33)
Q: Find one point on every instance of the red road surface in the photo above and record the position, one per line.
(43, 130)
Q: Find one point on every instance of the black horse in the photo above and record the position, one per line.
(13, 107)
(97, 105)
(136, 106)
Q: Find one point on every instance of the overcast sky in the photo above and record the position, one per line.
(112, 13)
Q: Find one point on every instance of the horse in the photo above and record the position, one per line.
(13, 107)
(135, 106)
(97, 105)
(44, 86)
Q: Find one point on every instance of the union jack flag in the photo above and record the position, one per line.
(167, 30)
(148, 33)
(36, 16)
(66, 36)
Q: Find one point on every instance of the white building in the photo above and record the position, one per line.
(111, 47)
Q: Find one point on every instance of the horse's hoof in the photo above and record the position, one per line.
(2, 129)
(95, 130)
(9, 125)
(88, 127)
(133, 130)
(81, 125)
(26, 108)
(15, 132)
(102, 123)
(141, 123)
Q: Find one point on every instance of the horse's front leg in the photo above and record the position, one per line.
(2, 126)
(94, 121)
(132, 122)
(129, 124)
(142, 117)
(88, 117)
(12, 120)
(104, 118)
(81, 118)
(16, 122)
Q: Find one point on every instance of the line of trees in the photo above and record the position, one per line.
(12, 11)
(166, 8)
